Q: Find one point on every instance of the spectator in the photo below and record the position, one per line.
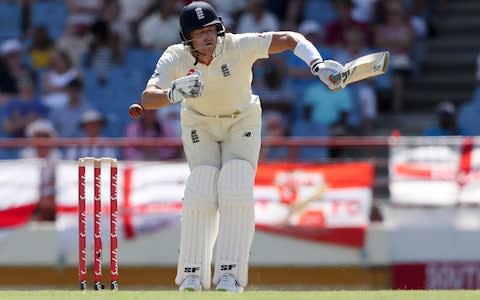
(133, 13)
(336, 30)
(74, 42)
(364, 111)
(299, 77)
(119, 27)
(22, 110)
(288, 12)
(304, 127)
(355, 46)
(364, 102)
(67, 118)
(363, 10)
(12, 68)
(446, 121)
(43, 129)
(83, 13)
(41, 48)
(275, 127)
(230, 11)
(58, 74)
(171, 115)
(468, 115)
(150, 126)
(396, 34)
(469, 111)
(272, 90)
(322, 11)
(330, 109)
(160, 29)
(104, 50)
(92, 124)
(257, 18)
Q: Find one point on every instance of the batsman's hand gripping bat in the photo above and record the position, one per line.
(363, 67)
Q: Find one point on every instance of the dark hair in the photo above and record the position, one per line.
(75, 83)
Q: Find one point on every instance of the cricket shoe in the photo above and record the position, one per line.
(228, 283)
(191, 284)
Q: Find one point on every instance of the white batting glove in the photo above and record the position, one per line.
(185, 87)
(328, 71)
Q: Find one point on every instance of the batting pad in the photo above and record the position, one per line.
(199, 225)
(237, 220)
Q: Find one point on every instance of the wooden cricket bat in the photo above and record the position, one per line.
(364, 67)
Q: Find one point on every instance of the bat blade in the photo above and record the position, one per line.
(364, 67)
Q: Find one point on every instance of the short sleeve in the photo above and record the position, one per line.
(254, 45)
(165, 70)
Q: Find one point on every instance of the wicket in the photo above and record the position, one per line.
(97, 214)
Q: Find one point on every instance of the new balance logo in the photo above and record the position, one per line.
(200, 14)
(247, 134)
(194, 136)
(191, 269)
(225, 70)
(227, 267)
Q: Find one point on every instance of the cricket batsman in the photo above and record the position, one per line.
(210, 74)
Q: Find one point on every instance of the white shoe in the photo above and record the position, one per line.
(228, 283)
(191, 284)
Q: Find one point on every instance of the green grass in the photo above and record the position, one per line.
(250, 295)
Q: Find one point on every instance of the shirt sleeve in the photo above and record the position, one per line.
(164, 71)
(254, 45)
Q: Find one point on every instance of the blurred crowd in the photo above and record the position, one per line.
(71, 68)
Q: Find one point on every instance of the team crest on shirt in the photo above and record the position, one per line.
(194, 136)
(225, 70)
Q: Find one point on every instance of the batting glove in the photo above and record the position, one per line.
(185, 87)
(327, 71)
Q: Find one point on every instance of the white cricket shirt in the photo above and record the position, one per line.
(227, 79)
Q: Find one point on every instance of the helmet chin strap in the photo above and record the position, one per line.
(195, 51)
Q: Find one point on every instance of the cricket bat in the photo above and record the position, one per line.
(364, 67)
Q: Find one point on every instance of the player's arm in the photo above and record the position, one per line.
(154, 97)
(304, 49)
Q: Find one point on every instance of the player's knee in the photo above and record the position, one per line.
(235, 182)
(201, 189)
